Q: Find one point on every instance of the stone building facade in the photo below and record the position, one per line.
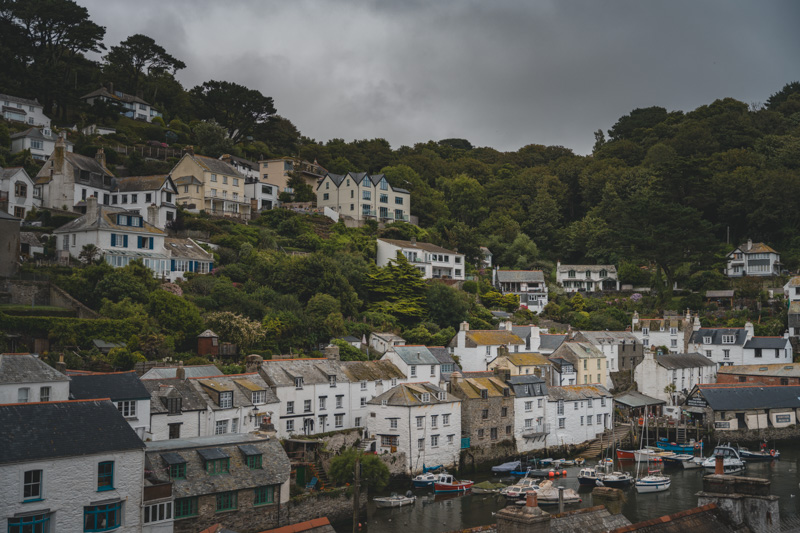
(487, 407)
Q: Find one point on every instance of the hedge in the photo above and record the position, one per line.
(85, 329)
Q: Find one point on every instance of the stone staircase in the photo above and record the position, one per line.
(609, 438)
(365, 444)
(319, 472)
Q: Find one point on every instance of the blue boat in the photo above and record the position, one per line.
(689, 447)
(507, 468)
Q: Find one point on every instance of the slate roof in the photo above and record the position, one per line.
(471, 385)
(717, 333)
(31, 239)
(6, 216)
(428, 247)
(706, 519)
(36, 133)
(281, 372)
(596, 519)
(551, 341)
(118, 386)
(674, 361)
(611, 269)
(768, 343)
(161, 389)
(525, 359)
(81, 162)
(27, 368)
(123, 97)
(415, 355)
(755, 248)
(558, 363)
(186, 249)
(139, 183)
(528, 386)
(741, 397)
(195, 371)
(64, 429)
(608, 337)
(242, 161)
(275, 466)
(214, 165)
(19, 100)
(489, 337)
(107, 220)
(522, 276)
(442, 355)
(409, 394)
(636, 399)
(775, 370)
(573, 351)
(371, 370)
(241, 385)
(577, 392)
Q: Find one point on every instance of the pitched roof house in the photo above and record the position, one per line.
(26, 110)
(528, 285)
(753, 259)
(477, 348)
(205, 183)
(431, 260)
(590, 364)
(26, 378)
(143, 193)
(361, 196)
(40, 141)
(67, 180)
(132, 106)
(17, 192)
(588, 278)
(125, 391)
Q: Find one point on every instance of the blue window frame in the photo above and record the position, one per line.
(39, 523)
(105, 476)
(102, 517)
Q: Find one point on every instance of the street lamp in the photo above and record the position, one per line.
(254, 413)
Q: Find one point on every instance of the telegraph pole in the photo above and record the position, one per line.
(356, 495)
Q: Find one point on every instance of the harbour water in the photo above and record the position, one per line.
(439, 513)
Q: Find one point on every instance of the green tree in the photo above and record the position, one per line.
(212, 138)
(447, 306)
(374, 473)
(240, 330)
(234, 106)
(175, 314)
(397, 289)
(140, 55)
(89, 253)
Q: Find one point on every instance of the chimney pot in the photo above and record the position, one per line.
(719, 465)
(152, 215)
(92, 209)
(100, 156)
(180, 372)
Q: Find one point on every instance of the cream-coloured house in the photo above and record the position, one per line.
(361, 197)
(208, 184)
(277, 172)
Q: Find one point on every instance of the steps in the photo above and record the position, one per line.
(319, 473)
(365, 444)
(598, 446)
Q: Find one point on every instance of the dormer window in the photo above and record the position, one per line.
(332, 381)
(484, 394)
(706, 340)
(259, 396)
(384, 402)
(298, 383)
(226, 399)
(603, 273)
(728, 339)
(174, 405)
(442, 396)
(122, 220)
(426, 397)
(571, 274)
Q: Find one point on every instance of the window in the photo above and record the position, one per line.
(493, 433)
(561, 423)
(433, 370)
(529, 406)
(673, 343)
(394, 382)
(22, 395)
(339, 401)
(323, 400)
(32, 485)
(363, 401)
(503, 412)
(389, 440)
(259, 397)
(289, 426)
(105, 476)
(602, 402)
(326, 196)
(21, 189)
(726, 354)
(480, 433)
(384, 185)
(124, 198)
(213, 193)
(434, 441)
(357, 422)
(332, 381)
(366, 195)
(484, 394)
(728, 339)
(177, 471)
(307, 406)
(575, 406)
(645, 331)
(581, 420)
(158, 512)
(185, 507)
(560, 407)
(413, 370)
(102, 517)
(589, 420)
(363, 385)
(298, 383)
(221, 427)
(235, 182)
(253, 462)
(539, 403)
(384, 198)
(216, 467)
(37, 145)
(420, 422)
(224, 180)
(226, 399)
(30, 524)
(234, 425)
(338, 420)
(673, 331)
(127, 408)
(434, 421)
(758, 352)
(213, 178)
(264, 495)
(485, 414)
(393, 423)
(420, 444)
(227, 501)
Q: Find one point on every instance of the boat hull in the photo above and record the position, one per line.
(654, 486)
(617, 483)
(746, 455)
(460, 486)
(421, 484)
(626, 455)
(386, 503)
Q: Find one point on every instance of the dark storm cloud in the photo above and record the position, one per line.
(500, 73)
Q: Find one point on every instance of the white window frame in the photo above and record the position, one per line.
(226, 399)
(127, 408)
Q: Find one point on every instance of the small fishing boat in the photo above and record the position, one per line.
(731, 461)
(652, 455)
(588, 476)
(395, 500)
(616, 480)
(425, 480)
(568, 462)
(762, 455)
(580, 461)
(676, 459)
(520, 489)
(654, 481)
(447, 483)
(626, 455)
(507, 468)
(547, 494)
(689, 447)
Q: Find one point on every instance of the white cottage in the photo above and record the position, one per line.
(17, 192)
(578, 413)
(656, 372)
(24, 110)
(153, 197)
(26, 378)
(40, 141)
(369, 379)
(753, 259)
(416, 362)
(125, 391)
(528, 285)
(419, 420)
(476, 349)
(723, 346)
(431, 260)
(587, 278)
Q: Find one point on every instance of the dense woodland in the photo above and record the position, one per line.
(664, 195)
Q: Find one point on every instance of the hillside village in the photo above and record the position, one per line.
(207, 314)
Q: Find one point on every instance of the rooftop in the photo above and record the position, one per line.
(410, 395)
(636, 399)
(428, 247)
(674, 361)
(522, 276)
(194, 371)
(117, 386)
(414, 355)
(740, 397)
(577, 392)
(27, 368)
(371, 370)
(139, 183)
(779, 370)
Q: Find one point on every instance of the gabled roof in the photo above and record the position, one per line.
(410, 395)
(106, 219)
(551, 341)
(37, 134)
(607, 337)
(674, 361)
(414, 355)
(140, 183)
(574, 351)
(656, 324)
(767, 343)
(116, 95)
(471, 386)
(213, 165)
(442, 355)
(428, 247)
(611, 269)
(577, 392)
(64, 429)
(27, 368)
(775, 370)
(20, 100)
(522, 276)
(161, 389)
(636, 399)
(741, 397)
(716, 335)
(755, 248)
(282, 372)
(371, 370)
(194, 371)
(525, 359)
(528, 386)
(240, 384)
(489, 337)
(117, 386)
(186, 249)
(30, 238)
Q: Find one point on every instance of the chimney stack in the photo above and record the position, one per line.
(749, 245)
(61, 366)
(58, 155)
(92, 210)
(180, 372)
(464, 326)
(253, 363)
(331, 352)
(719, 465)
(100, 156)
(152, 215)
(226, 158)
(188, 150)
(413, 240)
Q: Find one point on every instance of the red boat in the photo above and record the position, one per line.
(447, 483)
(626, 455)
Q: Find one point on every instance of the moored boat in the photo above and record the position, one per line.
(653, 482)
(689, 447)
(626, 455)
(395, 500)
(520, 489)
(425, 480)
(507, 468)
(731, 461)
(693, 463)
(762, 455)
(447, 483)
(676, 459)
(487, 487)
(547, 494)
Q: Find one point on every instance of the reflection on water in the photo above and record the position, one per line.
(447, 512)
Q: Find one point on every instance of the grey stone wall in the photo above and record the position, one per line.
(246, 519)
(27, 292)
(480, 457)
(337, 505)
(756, 436)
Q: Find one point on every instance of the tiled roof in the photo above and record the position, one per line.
(526, 359)
(27, 368)
(768, 343)
(194, 371)
(415, 355)
(520, 276)
(117, 386)
(741, 397)
(282, 372)
(492, 337)
(472, 387)
(410, 395)
(683, 360)
(577, 392)
(428, 247)
(139, 183)
(371, 370)
(64, 429)
(162, 389)
(107, 220)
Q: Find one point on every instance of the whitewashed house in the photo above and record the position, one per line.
(530, 418)
(564, 372)
(40, 141)
(187, 256)
(476, 349)
(577, 413)
(753, 259)
(67, 180)
(24, 110)
(17, 192)
(658, 371)
(89, 479)
(263, 196)
(26, 378)
(98, 129)
(415, 362)
(792, 289)
(153, 197)
(177, 410)
(419, 420)
(382, 342)
(131, 106)
(671, 332)
(368, 379)
(767, 350)
(361, 196)
(587, 278)
(314, 395)
(723, 346)
(528, 285)
(431, 260)
(125, 391)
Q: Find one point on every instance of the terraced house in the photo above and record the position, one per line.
(361, 196)
(477, 348)
(590, 364)
(487, 407)
(578, 413)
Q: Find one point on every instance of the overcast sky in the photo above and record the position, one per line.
(499, 73)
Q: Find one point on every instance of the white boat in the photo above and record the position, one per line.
(731, 462)
(653, 455)
(520, 489)
(395, 500)
(693, 463)
(653, 482)
(426, 480)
